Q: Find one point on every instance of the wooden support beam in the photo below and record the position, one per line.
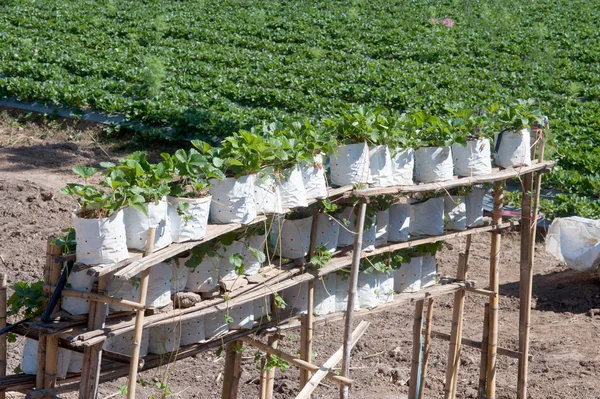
(481, 291)
(417, 350)
(231, 377)
(356, 255)
(3, 286)
(331, 362)
(51, 356)
(426, 345)
(484, 357)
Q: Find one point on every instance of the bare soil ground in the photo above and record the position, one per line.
(35, 162)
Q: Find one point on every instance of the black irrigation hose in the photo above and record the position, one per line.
(62, 282)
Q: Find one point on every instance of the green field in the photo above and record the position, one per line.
(212, 67)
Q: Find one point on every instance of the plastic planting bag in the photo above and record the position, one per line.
(324, 295)
(164, 338)
(380, 164)
(267, 194)
(296, 297)
(78, 281)
(100, 241)
(347, 229)
(575, 241)
(328, 231)
(512, 148)
(313, 175)
(474, 207)
(215, 324)
(205, 277)
(137, 225)
(262, 307)
(123, 343)
(383, 220)
(242, 315)
(399, 222)
(474, 159)
(368, 290)
(192, 331)
(76, 362)
(291, 238)
(403, 164)
(159, 288)
(347, 233)
(292, 190)
(342, 281)
(179, 274)
(455, 212)
(428, 271)
(386, 287)
(351, 165)
(427, 217)
(227, 270)
(233, 200)
(188, 224)
(433, 164)
(252, 262)
(408, 277)
(30, 356)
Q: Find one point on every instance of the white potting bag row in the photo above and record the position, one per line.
(226, 268)
(428, 271)
(512, 148)
(30, 356)
(403, 165)
(192, 331)
(100, 241)
(262, 307)
(375, 288)
(399, 222)
(242, 315)
(123, 343)
(164, 338)
(386, 287)
(328, 231)
(350, 165)
(455, 210)
(233, 200)
(383, 221)
(348, 232)
(427, 217)
(324, 294)
(205, 277)
(575, 241)
(189, 224)
(252, 264)
(78, 281)
(137, 225)
(474, 159)
(296, 297)
(215, 324)
(380, 164)
(408, 277)
(433, 164)
(293, 194)
(159, 288)
(267, 194)
(474, 207)
(313, 175)
(342, 282)
(179, 274)
(291, 238)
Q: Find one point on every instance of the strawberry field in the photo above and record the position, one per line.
(209, 68)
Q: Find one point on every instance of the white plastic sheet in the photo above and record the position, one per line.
(351, 165)
(455, 212)
(328, 231)
(192, 331)
(383, 221)
(123, 343)
(428, 271)
(575, 241)
(408, 277)
(179, 274)
(512, 149)
(100, 241)
(474, 159)
(433, 164)
(403, 165)
(205, 277)
(242, 315)
(137, 225)
(267, 193)
(380, 164)
(233, 200)
(399, 223)
(292, 190)
(78, 281)
(215, 324)
(291, 238)
(324, 295)
(189, 224)
(474, 206)
(30, 355)
(315, 184)
(427, 217)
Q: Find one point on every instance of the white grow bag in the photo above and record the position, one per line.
(233, 200)
(455, 210)
(347, 233)
(188, 225)
(408, 277)
(428, 271)
(192, 331)
(291, 238)
(292, 190)
(205, 277)
(368, 290)
(313, 175)
(226, 269)
(179, 274)
(123, 343)
(474, 205)
(100, 241)
(30, 355)
(296, 297)
(251, 263)
(351, 165)
(399, 222)
(164, 338)
(78, 281)
(386, 287)
(159, 288)
(380, 164)
(328, 231)
(267, 194)
(137, 225)
(575, 241)
(512, 148)
(433, 164)
(242, 315)
(342, 282)
(403, 165)
(324, 294)
(474, 159)
(427, 218)
(262, 307)
(383, 221)
(76, 362)
(215, 324)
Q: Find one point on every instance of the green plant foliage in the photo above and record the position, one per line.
(27, 300)
(68, 242)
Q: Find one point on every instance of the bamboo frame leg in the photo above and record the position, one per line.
(484, 358)
(495, 287)
(233, 361)
(426, 345)
(263, 378)
(270, 374)
(51, 355)
(456, 332)
(362, 210)
(2, 325)
(306, 334)
(417, 351)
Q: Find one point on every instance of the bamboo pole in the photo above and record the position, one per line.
(362, 210)
(2, 325)
(272, 341)
(139, 320)
(484, 358)
(95, 297)
(413, 388)
(306, 334)
(233, 361)
(478, 345)
(494, 286)
(426, 345)
(456, 332)
(51, 355)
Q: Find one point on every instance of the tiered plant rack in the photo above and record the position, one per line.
(87, 333)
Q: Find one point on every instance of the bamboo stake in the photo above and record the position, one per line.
(94, 297)
(362, 210)
(2, 325)
(263, 379)
(456, 332)
(139, 320)
(426, 345)
(233, 361)
(494, 286)
(484, 357)
(477, 345)
(272, 341)
(306, 334)
(51, 355)
(413, 389)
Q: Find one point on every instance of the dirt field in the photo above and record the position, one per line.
(35, 163)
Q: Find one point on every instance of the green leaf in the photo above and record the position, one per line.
(84, 171)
